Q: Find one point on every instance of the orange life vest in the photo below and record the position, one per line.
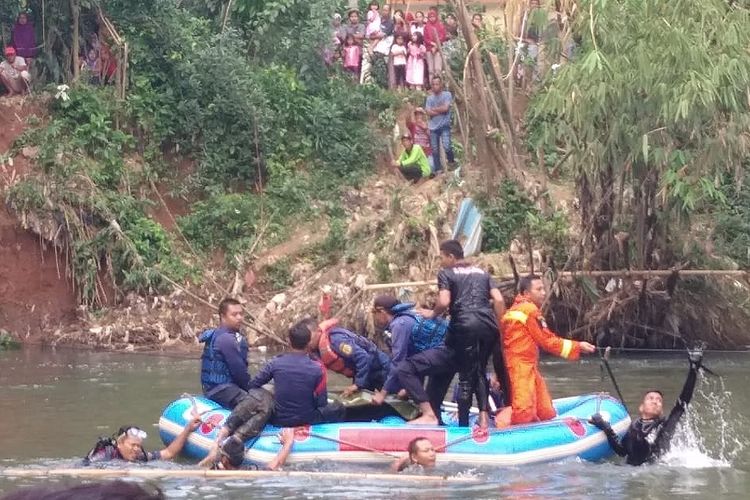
(328, 356)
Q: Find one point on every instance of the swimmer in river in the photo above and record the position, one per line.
(127, 445)
(421, 454)
(232, 455)
(649, 436)
(246, 421)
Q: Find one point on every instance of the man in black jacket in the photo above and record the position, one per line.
(649, 436)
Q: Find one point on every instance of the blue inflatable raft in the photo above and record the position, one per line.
(568, 435)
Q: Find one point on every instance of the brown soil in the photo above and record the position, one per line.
(34, 294)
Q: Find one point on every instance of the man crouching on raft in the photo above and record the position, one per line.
(649, 436)
(524, 332)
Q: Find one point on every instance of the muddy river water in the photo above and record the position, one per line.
(54, 403)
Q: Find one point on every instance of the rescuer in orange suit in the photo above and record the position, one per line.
(524, 332)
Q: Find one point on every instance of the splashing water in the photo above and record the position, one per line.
(706, 436)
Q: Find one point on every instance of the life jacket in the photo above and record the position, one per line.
(331, 358)
(214, 370)
(426, 333)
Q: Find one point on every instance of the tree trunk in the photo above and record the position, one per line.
(75, 12)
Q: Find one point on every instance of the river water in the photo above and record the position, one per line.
(54, 403)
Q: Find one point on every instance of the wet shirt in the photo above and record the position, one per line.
(299, 388)
(470, 293)
(647, 439)
(110, 452)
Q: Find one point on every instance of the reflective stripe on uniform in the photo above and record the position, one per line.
(567, 347)
(516, 315)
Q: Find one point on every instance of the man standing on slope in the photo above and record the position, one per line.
(524, 332)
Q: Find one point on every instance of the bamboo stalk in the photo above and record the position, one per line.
(645, 273)
(224, 474)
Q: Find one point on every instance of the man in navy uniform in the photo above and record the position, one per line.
(224, 367)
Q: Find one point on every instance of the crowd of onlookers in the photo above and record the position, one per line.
(19, 55)
(412, 44)
(98, 64)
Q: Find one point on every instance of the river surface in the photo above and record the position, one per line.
(54, 403)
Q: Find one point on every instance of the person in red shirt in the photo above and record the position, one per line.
(434, 35)
(524, 332)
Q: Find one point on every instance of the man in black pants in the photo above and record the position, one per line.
(650, 435)
(476, 306)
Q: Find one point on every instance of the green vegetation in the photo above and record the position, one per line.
(653, 110)
(511, 214)
(7, 341)
(275, 136)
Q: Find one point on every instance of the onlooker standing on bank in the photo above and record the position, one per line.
(438, 109)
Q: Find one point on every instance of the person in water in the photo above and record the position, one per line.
(127, 445)
(650, 435)
(231, 456)
(421, 454)
(224, 366)
(246, 421)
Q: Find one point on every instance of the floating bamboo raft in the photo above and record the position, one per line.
(147, 473)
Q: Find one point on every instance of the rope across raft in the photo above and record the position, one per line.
(147, 473)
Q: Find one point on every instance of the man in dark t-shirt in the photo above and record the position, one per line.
(475, 305)
(300, 383)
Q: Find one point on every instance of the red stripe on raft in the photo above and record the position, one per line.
(388, 439)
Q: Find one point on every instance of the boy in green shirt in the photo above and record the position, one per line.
(413, 162)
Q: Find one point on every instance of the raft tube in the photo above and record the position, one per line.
(568, 435)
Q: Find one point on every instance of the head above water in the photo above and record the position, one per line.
(232, 453)
(532, 287)
(422, 452)
(231, 314)
(129, 442)
(652, 404)
(451, 252)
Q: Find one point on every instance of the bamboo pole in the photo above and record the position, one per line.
(643, 273)
(226, 474)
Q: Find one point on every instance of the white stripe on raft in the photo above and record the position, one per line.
(547, 454)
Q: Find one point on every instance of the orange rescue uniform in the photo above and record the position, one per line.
(524, 332)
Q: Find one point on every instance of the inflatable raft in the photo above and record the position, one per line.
(567, 436)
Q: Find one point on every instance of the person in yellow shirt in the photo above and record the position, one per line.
(413, 162)
(524, 332)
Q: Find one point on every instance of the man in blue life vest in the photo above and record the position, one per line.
(351, 355)
(415, 343)
(224, 367)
